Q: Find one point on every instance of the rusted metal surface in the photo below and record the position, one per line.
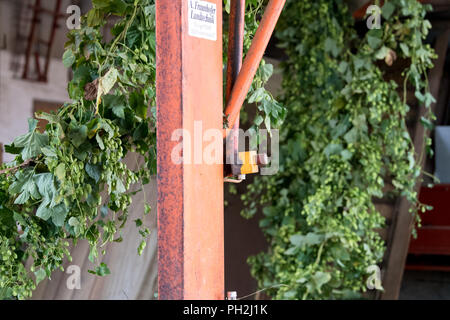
(170, 178)
(235, 54)
(203, 183)
(252, 60)
(190, 195)
(235, 43)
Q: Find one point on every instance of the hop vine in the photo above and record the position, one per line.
(68, 181)
(345, 138)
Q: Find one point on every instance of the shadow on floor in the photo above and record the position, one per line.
(425, 285)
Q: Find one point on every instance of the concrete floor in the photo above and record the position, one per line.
(425, 285)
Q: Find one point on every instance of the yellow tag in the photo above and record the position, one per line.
(249, 164)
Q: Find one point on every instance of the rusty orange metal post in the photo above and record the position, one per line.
(189, 88)
(252, 60)
(235, 54)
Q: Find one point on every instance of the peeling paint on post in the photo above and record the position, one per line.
(190, 196)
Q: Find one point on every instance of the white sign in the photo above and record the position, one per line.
(202, 19)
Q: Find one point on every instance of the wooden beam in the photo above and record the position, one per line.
(398, 244)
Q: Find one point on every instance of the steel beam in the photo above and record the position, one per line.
(235, 54)
(190, 195)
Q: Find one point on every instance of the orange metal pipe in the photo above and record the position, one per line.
(252, 60)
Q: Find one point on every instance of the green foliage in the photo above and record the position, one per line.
(31, 142)
(70, 182)
(344, 137)
(101, 270)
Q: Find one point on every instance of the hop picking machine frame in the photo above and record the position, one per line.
(189, 85)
